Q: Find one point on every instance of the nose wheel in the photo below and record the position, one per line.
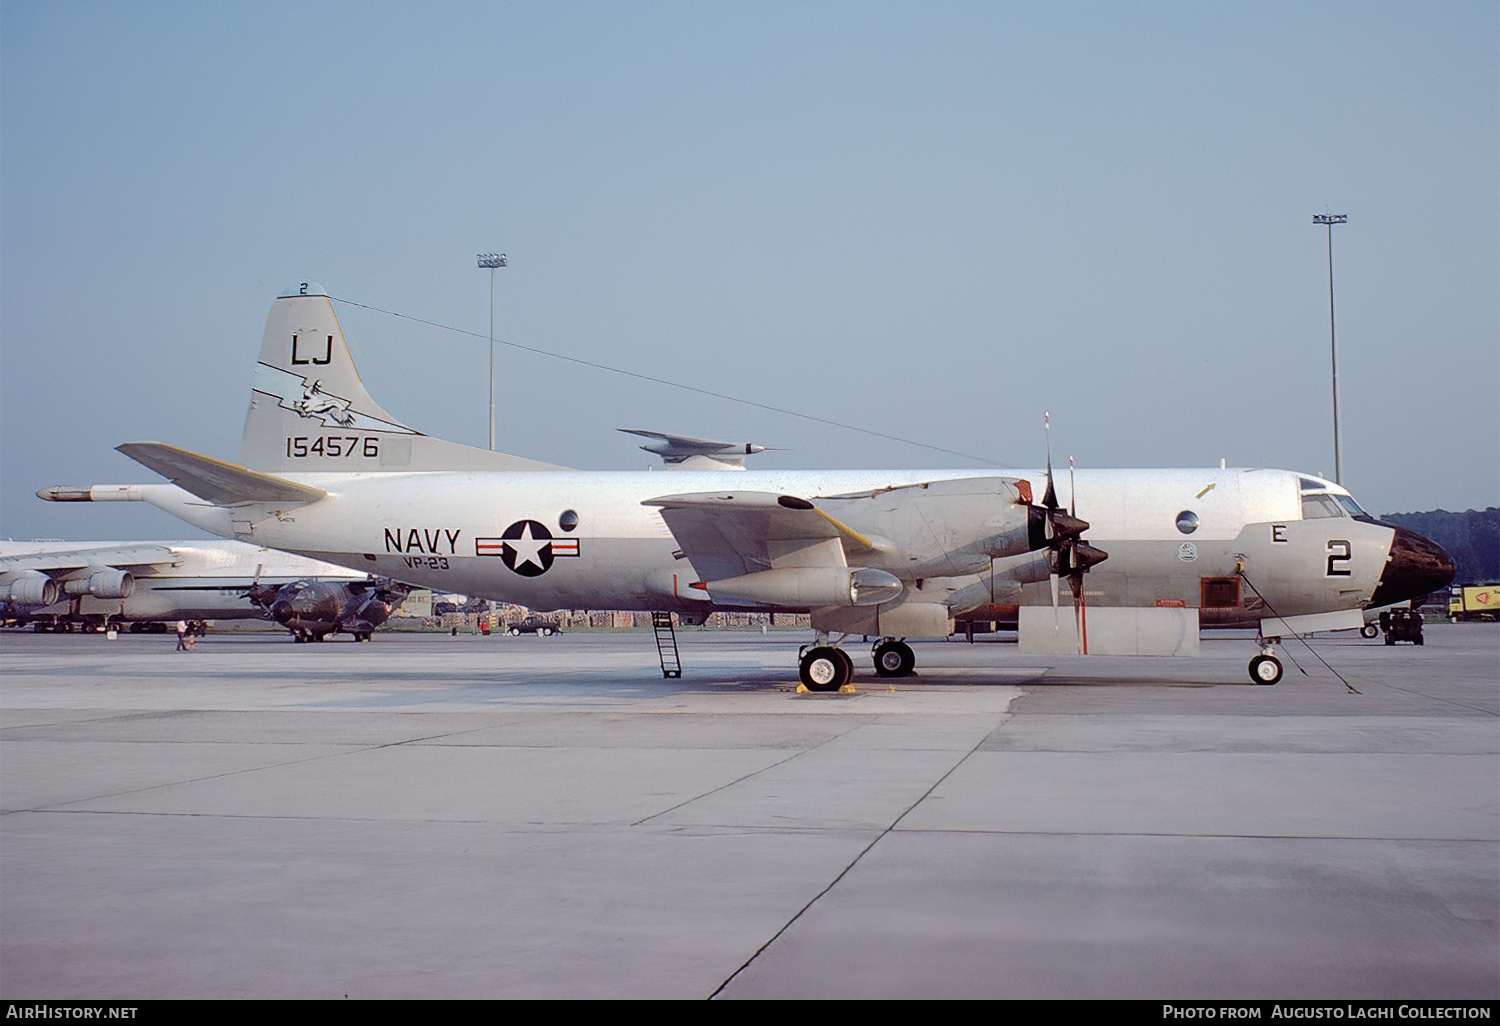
(1266, 668)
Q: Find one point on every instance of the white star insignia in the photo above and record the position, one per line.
(528, 549)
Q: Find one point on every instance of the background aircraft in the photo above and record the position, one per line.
(1108, 562)
(681, 452)
(145, 585)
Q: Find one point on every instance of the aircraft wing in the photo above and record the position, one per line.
(122, 557)
(41, 578)
(729, 534)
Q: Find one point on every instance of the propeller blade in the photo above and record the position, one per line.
(1049, 499)
(1069, 555)
(1080, 616)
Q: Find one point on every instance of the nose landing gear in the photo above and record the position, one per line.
(1266, 668)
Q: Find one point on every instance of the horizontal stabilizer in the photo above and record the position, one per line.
(215, 481)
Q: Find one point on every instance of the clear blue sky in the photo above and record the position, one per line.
(935, 220)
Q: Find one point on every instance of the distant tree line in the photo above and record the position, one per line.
(1472, 538)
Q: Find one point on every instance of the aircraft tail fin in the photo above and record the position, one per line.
(309, 410)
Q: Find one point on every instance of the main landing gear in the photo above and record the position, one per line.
(827, 667)
(1266, 668)
(893, 658)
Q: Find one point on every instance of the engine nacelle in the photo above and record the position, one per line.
(310, 605)
(807, 587)
(947, 528)
(102, 584)
(910, 619)
(30, 589)
(368, 612)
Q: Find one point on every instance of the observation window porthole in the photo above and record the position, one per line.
(568, 521)
(1187, 521)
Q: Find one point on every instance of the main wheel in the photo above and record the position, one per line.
(1265, 669)
(1369, 630)
(515, 632)
(825, 669)
(894, 659)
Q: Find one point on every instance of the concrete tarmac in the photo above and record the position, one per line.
(435, 817)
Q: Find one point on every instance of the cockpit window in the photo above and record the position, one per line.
(1315, 507)
(1347, 501)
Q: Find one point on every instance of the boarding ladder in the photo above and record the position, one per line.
(666, 644)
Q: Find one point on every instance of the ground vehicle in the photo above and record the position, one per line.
(1402, 624)
(535, 625)
(1476, 602)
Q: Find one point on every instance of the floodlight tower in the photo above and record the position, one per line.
(1338, 450)
(493, 262)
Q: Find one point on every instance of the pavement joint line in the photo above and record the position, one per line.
(886, 831)
(352, 749)
(731, 783)
(744, 828)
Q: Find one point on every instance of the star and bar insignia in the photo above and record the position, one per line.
(527, 547)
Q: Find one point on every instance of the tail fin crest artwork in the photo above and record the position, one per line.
(309, 411)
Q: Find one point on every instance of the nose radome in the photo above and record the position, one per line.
(1416, 567)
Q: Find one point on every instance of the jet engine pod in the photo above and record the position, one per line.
(103, 584)
(31, 589)
(806, 587)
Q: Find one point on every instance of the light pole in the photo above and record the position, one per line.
(492, 261)
(1338, 449)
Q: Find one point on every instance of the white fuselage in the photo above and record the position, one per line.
(442, 530)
